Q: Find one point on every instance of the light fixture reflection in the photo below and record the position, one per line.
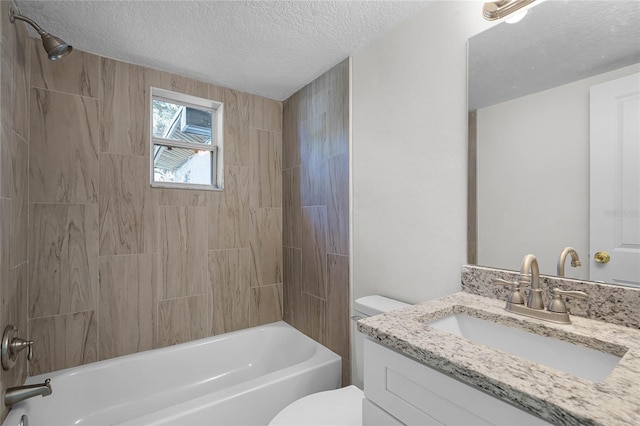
(501, 8)
(516, 17)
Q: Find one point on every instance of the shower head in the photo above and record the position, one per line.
(55, 47)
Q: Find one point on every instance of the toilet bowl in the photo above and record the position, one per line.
(340, 407)
(335, 407)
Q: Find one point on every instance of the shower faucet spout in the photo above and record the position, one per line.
(20, 393)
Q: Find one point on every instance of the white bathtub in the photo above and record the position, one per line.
(239, 378)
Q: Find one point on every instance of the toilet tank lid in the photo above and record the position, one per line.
(374, 305)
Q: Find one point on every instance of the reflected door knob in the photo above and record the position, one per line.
(602, 257)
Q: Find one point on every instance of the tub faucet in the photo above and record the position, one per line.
(575, 260)
(20, 393)
(530, 273)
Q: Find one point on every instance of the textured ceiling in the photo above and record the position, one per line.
(269, 48)
(557, 42)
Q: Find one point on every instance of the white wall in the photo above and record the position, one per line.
(409, 155)
(533, 177)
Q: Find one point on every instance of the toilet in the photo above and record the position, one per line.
(340, 406)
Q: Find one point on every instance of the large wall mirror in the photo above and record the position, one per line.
(536, 117)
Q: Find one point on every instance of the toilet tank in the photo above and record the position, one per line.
(364, 307)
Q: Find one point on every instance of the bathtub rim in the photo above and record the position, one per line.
(321, 351)
(320, 357)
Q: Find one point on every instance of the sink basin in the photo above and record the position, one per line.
(577, 360)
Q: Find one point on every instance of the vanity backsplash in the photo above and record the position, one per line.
(608, 303)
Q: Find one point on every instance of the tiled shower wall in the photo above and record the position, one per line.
(114, 266)
(315, 177)
(14, 148)
(117, 266)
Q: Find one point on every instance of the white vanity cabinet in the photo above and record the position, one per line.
(399, 391)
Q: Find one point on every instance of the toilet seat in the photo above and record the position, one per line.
(339, 407)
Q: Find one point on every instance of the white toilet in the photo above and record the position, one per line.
(340, 406)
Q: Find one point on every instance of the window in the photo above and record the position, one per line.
(186, 141)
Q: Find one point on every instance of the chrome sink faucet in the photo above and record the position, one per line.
(20, 393)
(534, 308)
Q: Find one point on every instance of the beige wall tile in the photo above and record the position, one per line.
(7, 88)
(21, 75)
(313, 317)
(290, 133)
(63, 341)
(236, 128)
(316, 210)
(265, 114)
(304, 104)
(265, 187)
(216, 93)
(19, 201)
(127, 206)
(229, 211)
(338, 109)
(182, 320)
(266, 246)
(472, 189)
(337, 310)
(183, 251)
(6, 177)
(229, 278)
(176, 83)
(292, 286)
(63, 259)
(346, 372)
(181, 197)
(78, 74)
(14, 299)
(7, 85)
(318, 99)
(291, 208)
(338, 205)
(125, 108)
(313, 161)
(5, 268)
(128, 303)
(63, 152)
(314, 250)
(14, 311)
(266, 304)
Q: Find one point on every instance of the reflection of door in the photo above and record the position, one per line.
(615, 181)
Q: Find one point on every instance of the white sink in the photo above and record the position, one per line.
(577, 360)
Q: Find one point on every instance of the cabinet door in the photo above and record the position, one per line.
(372, 415)
(418, 395)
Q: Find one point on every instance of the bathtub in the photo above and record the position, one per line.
(239, 378)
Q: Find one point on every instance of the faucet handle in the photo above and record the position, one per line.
(505, 283)
(515, 296)
(17, 344)
(556, 304)
(11, 345)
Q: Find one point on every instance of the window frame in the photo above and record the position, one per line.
(216, 147)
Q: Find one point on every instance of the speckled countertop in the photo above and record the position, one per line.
(553, 395)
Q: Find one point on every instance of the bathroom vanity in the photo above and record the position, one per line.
(421, 371)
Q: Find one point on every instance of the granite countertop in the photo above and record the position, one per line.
(553, 395)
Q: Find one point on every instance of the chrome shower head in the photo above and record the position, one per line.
(55, 47)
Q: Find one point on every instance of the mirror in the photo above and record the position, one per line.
(529, 145)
